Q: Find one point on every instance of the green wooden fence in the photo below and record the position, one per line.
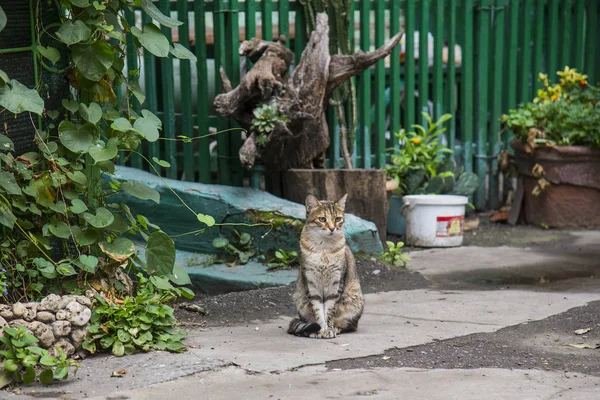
(502, 45)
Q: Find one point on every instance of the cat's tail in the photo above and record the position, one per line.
(299, 327)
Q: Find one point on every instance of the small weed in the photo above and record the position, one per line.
(394, 255)
(283, 259)
(237, 250)
(20, 358)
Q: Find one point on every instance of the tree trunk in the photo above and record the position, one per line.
(301, 134)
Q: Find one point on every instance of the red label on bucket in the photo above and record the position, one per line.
(449, 226)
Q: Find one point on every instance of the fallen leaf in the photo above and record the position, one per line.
(385, 358)
(582, 331)
(118, 374)
(500, 216)
(471, 224)
(584, 346)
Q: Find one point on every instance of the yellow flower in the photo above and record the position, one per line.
(416, 140)
(554, 97)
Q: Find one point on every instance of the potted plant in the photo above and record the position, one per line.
(556, 144)
(421, 166)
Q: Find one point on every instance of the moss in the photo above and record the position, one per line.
(276, 218)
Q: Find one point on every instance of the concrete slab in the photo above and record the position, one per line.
(383, 383)
(231, 205)
(391, 319)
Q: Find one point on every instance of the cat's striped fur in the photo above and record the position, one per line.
(328, 294)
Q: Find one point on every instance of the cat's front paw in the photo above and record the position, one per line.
(324, 334)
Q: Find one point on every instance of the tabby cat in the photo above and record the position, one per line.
(328, 294)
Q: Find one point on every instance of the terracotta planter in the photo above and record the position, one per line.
(573, 197)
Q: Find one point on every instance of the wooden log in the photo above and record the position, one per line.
(367, 197)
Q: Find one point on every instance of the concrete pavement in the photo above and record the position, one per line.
(259, 360)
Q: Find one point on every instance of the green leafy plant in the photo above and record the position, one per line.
(266, 117)
(237, 250)
(141, 322)
(566, 113)
(20, 359)
(449, 179)
(283, 259)
(394, 255)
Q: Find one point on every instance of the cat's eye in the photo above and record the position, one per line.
(322, 219)
(338, 219)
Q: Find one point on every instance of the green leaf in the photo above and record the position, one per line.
(91, 114)
(60, 229)
(152, 39)
(160, 254)
(98, 6)
(206, 219)
(161, 283)
(70, 105)
(141, 191)
(118, 349)
(66, 269)
(78, 206)
(70, 33)
(182, 53)
(162, 163)
(61, 372)
(3, 19)
(101, 153)
(6, 144)
(180, 276)
(77, 140)
(47, 376)
(93, 60)
(119, 249)
(147, 128)
(9, 184)
(4, 75)
(10, 365)
(158, 16)
(220, 242)
(7, 218)
(50, 53)
(187, 293)
(45, 267)
(245, 238)
(17, 98)
(80, 3)
(102, 219)
(78, 177)
(87, 237)
(88, 263)
(121, 125)
(29, 376)
(137, 92)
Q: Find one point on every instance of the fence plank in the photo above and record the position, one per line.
(553, 39)
(132, 64)
(267, 19)
(579, 35)
(395, 88)
(284, 20)
(525, 62)
(202, 86)
(151, 85)
(379, 88)
(496, 109)
(538, 43)
(438, 66)
(467, 81)
(187, 125)
(364, 90)
(451, 74)
(223, 142)
(168, 94)
(250, 18)
(409, 38)
(591, 47)
(424, 58)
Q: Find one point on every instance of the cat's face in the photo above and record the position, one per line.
(325, 217)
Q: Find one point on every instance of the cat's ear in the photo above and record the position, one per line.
(311, 203)
(342, 202)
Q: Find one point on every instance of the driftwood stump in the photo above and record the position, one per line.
(301, 97)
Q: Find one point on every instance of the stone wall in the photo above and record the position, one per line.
(56, 321)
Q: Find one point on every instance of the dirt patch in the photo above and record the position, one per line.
(262, 304)
(542, 345)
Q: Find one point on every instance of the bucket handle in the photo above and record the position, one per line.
(407, 205)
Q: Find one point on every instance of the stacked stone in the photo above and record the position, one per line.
(56, 321)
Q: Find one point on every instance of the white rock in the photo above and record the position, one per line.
(6, 311)
(78, 336)
(83, 301)
(63, 315)
(45, 316)
(50, 303)
(18, 310)
(19, 322)
(3, 323)
(61, 328)
(80, 314)
(64, 345)
(43, 333)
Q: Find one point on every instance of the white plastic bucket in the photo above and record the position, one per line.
(434, 220)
